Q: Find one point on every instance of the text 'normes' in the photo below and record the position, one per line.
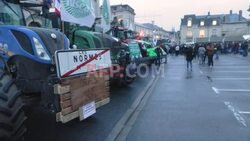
(82, 57)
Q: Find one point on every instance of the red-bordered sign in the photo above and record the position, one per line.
(76, 62)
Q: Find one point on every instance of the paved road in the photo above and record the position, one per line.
(42, 126)
(203, 105)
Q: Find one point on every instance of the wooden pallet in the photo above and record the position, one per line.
(66, 118)
(79, 91)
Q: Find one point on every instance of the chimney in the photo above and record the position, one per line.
(240, 15)
(231, 12)
(153, 22)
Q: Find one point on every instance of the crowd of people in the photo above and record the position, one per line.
(235, 48)
(209, 51)
(201, 52)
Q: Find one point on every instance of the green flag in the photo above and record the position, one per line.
(106, 15)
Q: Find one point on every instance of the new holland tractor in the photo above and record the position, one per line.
(27, 68)
(29, 76)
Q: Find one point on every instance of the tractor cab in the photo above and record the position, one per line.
(123, 34)
(11, 13)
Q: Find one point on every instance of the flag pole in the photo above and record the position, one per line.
(62, 27)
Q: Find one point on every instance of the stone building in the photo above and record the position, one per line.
(146, 31)
(151, 30)
(214, 28)
(126, 13)
(158, 32)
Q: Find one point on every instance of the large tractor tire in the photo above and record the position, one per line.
(126, 80)
(12, 117)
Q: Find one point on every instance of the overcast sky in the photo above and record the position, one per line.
(168, 13)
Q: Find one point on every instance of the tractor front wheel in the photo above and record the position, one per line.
(12, 117)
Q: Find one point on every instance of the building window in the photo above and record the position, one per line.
(189, 23)
(214, 32)
(202, 34)
(214, 22)
(202, 23)
(189, 34)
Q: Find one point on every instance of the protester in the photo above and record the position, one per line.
(47, 4)
(201, 52)
(115, 26)
(177, 50)
(166, 51)
(195, 50)
(189, 57)
(245, 49)
(171, 50)
(210, 54)
(216, 49)
(159, 54)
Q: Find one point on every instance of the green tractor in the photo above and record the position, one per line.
(85, 38)
(148, 53)
(121, 58)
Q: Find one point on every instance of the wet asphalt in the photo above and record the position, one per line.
(42, 126)
(200, 105)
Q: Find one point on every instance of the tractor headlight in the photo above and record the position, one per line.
(40, 50)
(68, 43)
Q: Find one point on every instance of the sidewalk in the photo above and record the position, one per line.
(183, 107)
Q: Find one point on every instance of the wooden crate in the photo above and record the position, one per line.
(79, 91)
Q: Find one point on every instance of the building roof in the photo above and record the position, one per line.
(143, 26)
(220, 18)
(121, 8)
(234, 18)
(153, 27)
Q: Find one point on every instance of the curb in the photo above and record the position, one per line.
(118, 128)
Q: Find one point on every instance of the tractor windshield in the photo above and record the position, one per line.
(11, 14)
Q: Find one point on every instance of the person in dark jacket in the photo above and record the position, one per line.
(159, 55)
(189, 57)
(210, 54)
(115, 26)
(166, 51)
(245, 49)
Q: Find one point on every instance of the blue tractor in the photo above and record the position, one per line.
(28, 70)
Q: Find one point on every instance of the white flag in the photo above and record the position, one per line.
(106, 15)
(78, 11)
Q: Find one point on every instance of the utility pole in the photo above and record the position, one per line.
(249, 9)
(249, 15)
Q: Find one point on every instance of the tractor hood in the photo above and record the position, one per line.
(30, 41)
(52, 39)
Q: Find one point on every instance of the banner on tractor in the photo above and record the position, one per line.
(76, 62)
(78, 11)
(134, 49)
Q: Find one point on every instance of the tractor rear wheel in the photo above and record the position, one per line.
(126, 80)
(12, 117)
